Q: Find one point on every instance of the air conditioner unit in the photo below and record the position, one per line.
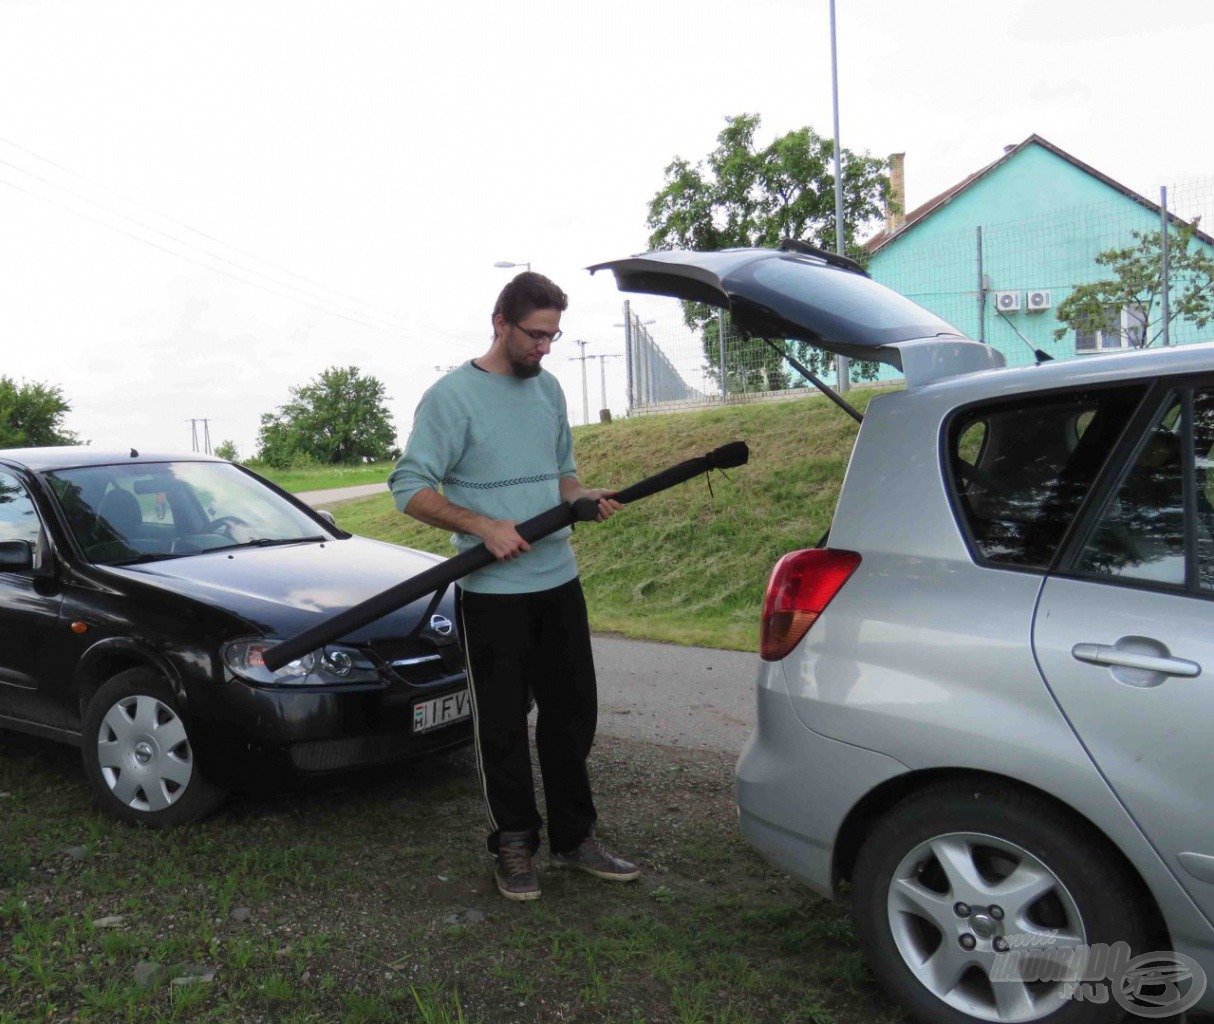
(1007, 302)
(1037, 301)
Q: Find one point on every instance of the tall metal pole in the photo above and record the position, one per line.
(721, 338)
(981, 292)
(585, 399)
(1163, 250)
(628, 363)
(842, 363)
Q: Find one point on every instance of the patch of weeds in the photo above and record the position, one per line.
(276, 989)
(112, 998)
(434, 1007)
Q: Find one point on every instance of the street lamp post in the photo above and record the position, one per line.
(842, 363)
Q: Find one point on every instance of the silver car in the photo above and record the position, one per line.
(985, 701)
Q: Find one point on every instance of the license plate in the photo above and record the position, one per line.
(431, 714)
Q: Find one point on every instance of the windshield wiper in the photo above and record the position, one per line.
(141, 559)
(270, 542)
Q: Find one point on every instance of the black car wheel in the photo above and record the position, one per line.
(965, 895)
(138, 755)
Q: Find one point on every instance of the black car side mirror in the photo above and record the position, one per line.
(16, 555)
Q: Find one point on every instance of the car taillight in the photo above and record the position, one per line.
(802, 584)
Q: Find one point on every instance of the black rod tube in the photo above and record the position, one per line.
(445, 573)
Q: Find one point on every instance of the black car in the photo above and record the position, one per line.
(137, 594)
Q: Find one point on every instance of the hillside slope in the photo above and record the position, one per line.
(686, 566)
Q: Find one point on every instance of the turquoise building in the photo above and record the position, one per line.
(995, 254)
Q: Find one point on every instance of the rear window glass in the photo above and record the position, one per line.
(1022, 470)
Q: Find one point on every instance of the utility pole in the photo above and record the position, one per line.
(206, 434)
(585, 398)
(604, 412)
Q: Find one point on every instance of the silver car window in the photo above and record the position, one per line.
(1141, 533)
(1022, 469)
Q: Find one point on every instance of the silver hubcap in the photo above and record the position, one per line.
(961, 903)
(144, 753)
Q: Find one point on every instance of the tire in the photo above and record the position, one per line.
(956, 848)
(138, 756)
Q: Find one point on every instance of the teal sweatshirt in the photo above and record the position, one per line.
(498, 446)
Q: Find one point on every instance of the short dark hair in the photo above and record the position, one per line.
(525, 294)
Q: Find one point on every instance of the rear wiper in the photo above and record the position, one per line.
(269, 542)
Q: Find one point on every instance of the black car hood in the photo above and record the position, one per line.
(282, 590)
(772, 293)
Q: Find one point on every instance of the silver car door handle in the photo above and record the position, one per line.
(1103, 654)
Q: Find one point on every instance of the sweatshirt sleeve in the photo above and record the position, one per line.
(564, 439)
(433, 448)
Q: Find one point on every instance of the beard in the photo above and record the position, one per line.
(524, 369)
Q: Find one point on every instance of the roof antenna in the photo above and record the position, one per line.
(1042, 357)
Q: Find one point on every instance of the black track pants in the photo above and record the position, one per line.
(538, 642)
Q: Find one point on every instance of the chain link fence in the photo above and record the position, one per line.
(1002, 283)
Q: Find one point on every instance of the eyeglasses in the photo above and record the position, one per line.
(540, 336)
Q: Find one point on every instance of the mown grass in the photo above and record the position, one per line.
(686, 566)
(321, 478)
(371, 902)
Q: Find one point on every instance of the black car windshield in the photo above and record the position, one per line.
(139, 513)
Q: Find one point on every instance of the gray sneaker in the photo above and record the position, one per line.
(515, 872)
(594, 860)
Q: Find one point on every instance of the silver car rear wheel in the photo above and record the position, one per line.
(965, 906)
(979, 902)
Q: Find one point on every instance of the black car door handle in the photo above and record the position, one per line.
(1105, 654)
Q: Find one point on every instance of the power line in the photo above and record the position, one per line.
(188, 227)
(188, 244)
(354, 315)
(206, 266)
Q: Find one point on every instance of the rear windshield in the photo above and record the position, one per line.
(1022, 470)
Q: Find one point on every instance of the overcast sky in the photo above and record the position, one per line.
(390, 153)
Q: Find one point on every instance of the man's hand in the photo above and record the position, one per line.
(608, 506)
(502, 539)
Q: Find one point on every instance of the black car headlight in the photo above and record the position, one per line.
(329, 667)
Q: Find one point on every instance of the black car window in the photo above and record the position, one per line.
(1021, 469)
(18, 517)
(1141, 532)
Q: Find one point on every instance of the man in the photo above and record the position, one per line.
(494, 436)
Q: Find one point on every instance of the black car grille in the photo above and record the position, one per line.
(419, 662)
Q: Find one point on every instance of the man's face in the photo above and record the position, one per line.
(530, 340)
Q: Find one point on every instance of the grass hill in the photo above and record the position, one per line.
(685, 566)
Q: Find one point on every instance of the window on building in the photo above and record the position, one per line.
(1120, 328)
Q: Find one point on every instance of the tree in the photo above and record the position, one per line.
(1130, 303)
(741, 195)
(227, 450)
(340, 417)
(31, 415)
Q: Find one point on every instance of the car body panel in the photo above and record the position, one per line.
(1140, 727)
(283, 590)
(782, 294)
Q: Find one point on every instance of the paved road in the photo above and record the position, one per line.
(323, 499)
(681, 696)
(659, 693)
